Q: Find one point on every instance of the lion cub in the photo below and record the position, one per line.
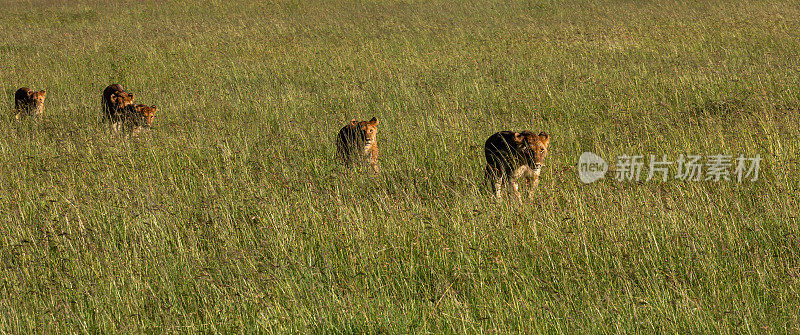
(28, 102)
(511, 155)
(134, 118)
(358, 142)
(115, 100)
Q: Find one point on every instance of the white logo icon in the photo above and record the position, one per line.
(591, 167)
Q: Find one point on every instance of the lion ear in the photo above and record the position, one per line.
(353, 122)
(544, 138)
(519, 138)
(43, 92)
(373, 121)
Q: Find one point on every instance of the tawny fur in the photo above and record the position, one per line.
(357, 142)
(134, 118)
(28, 102)
(510, 156)
(115, 100)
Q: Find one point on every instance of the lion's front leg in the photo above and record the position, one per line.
(532, 180)
(373, 160)
(520, 172)
(494, 179)
(532, 183)
(515, 186)
(376, 167)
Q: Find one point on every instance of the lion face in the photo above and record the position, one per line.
(28, 102)
(37, 101)
(37, 98)
(121, 99)
(533, 146)
(370, 128)
(146, 114)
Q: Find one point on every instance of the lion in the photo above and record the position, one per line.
(357, 142)
(28, 102)
(511, 155)
(134, 118)
(115, 100)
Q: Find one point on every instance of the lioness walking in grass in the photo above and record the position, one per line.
(115, 100)
(511, 155)
(28, 102)
(358, 142)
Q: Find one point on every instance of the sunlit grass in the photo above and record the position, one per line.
(231, 215)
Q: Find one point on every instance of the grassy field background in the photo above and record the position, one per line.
(232, 216)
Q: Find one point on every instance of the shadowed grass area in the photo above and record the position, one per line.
(231, 215)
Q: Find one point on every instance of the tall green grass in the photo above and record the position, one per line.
(231, 215)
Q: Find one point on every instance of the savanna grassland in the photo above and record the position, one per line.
(232, 216)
